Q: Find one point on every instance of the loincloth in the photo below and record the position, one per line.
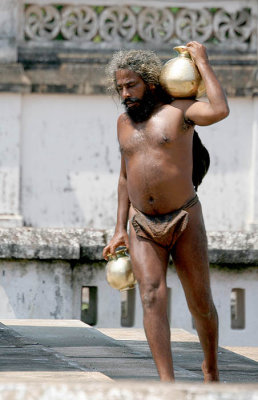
(163, 229)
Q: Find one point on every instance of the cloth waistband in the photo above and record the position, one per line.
(190, 203)
(185, 206)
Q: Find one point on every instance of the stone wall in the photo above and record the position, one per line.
(44, 273)
(71, 180)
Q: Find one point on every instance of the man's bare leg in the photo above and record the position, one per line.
(190, 256)
(150, 266)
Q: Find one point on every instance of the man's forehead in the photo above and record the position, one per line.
(126, 75)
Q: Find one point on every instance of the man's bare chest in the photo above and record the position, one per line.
(143, 140)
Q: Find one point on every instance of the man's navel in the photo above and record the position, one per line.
(151, 200)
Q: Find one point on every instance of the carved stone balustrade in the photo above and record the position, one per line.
(159, 24)
(64, 45)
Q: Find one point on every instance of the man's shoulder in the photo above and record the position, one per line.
(123, 124)
(123, 118)
(176, 110)
(182, 104)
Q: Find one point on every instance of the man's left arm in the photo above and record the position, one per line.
(202, 113)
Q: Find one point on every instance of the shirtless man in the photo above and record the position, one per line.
(155, 181)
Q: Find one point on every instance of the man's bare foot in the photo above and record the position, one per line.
(167, 379)
(209, 376)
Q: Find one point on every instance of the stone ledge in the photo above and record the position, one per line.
(83, 73)
(125, 390)
(31, 243)
(87, 244)
(51, 243)
(13, 79)
(233, 247)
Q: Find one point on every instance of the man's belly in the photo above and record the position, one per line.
(159, 190)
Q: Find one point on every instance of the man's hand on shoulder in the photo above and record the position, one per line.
(216, 109)
(197, 52)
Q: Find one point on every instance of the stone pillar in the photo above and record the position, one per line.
(9, 19)
(10, 110)
(10, 117)
(253, 224)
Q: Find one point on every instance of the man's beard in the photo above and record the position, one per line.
(140, 109)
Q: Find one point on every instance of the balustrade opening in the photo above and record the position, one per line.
(89, 297)
(127, 307)
(237, 306)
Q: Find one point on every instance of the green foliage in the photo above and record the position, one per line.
(59, 7)
(136, 9)
(98, 9)
(137, 38)
(174, 10)
(213, 40)
(59, 36)
(97, 39)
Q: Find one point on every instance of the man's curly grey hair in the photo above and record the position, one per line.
(144, 62)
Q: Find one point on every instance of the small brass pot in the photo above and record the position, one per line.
(180, 76)
(119, 273)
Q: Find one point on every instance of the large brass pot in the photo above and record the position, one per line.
(119, 271)
(180, 76)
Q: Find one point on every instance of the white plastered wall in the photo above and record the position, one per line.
(226, 190)
(25, 286)
(69, 161)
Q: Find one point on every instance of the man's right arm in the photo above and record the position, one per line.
(120, 237)
(200, 112)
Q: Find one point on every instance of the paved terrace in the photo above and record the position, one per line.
(57, 359)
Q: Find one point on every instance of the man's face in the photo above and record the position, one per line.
(136, 96)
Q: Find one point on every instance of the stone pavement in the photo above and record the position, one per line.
(37, 355)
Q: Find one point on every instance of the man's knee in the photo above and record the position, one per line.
(151, 294)
(203, 309)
